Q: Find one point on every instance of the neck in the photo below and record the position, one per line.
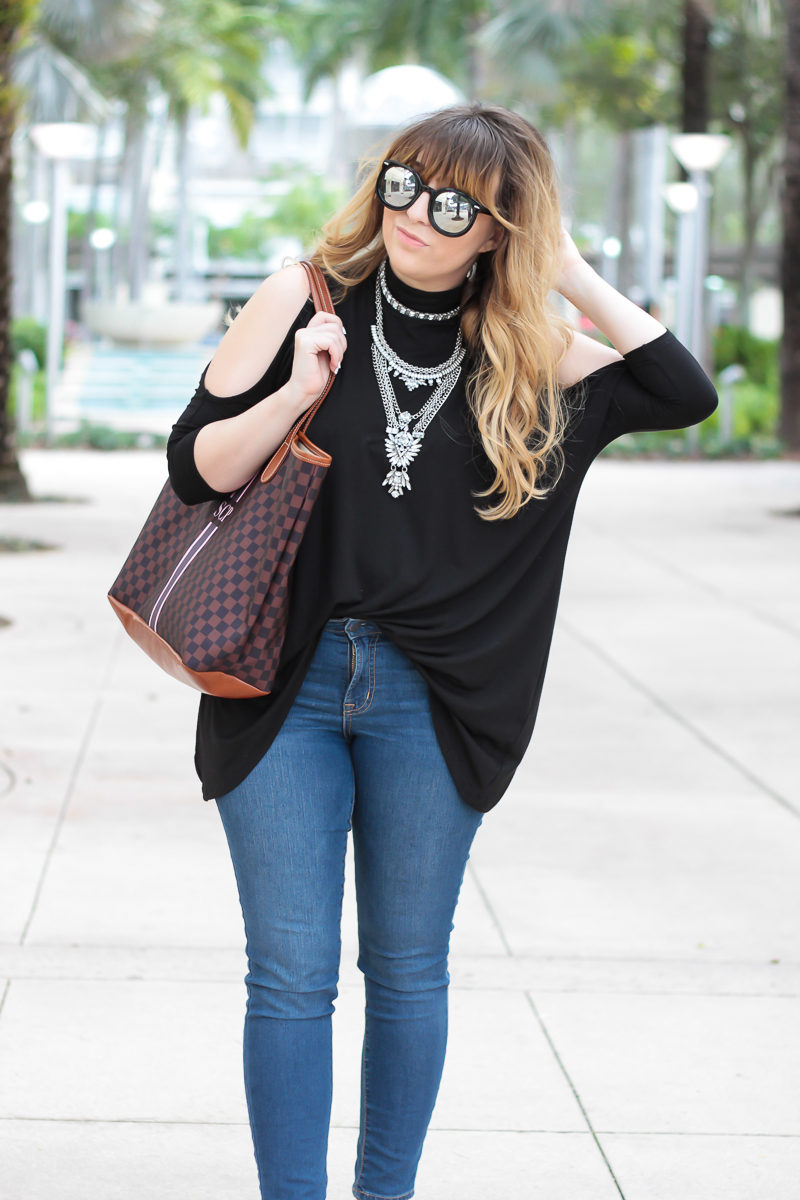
(423, 298)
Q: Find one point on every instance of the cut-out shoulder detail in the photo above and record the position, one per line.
(254, 338)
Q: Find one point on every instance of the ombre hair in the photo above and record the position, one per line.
(515, 338)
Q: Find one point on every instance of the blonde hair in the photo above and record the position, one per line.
(514, 337)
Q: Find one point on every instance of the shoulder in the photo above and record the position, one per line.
(585, 355)
(289, 286)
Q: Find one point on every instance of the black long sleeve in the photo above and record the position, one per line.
(205, 407)
(658, 385)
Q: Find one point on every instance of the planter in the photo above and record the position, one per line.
(181, 323)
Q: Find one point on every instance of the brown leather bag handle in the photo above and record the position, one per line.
(322, 303)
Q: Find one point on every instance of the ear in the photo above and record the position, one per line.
(494, 239)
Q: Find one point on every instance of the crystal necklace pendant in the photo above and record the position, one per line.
(403, 443)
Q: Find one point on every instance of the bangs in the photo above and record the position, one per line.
(464, 153)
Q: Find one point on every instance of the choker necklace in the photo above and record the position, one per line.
(411, 312)
(402, 442)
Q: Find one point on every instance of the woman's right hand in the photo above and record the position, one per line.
(318, 349)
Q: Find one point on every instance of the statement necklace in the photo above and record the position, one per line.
(403, 442)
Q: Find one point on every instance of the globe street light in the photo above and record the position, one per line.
(101, 240)
(59, 141)
(611, 250)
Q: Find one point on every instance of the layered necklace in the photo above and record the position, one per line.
(405, 430)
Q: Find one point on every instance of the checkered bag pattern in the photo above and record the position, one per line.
(212, 581)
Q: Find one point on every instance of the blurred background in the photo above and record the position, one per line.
(157, 160)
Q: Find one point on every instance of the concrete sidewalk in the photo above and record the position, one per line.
(626, 958)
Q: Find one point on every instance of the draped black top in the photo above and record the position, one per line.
(471, 602)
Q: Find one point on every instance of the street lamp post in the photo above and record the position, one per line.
(101, 241)
(36, 213)
(59, 142)
(700, 154)
(682, 199)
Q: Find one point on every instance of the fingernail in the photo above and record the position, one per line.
(337, 369)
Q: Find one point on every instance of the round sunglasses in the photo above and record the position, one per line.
(450, 211)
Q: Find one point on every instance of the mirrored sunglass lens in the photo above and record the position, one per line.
(452, 212)
(398, 187)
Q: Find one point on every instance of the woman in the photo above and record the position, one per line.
(462, 420)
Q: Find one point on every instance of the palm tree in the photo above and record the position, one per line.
(15, 21)
(442, 34)
(203, 48)
(196, 48)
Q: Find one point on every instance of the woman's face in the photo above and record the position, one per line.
(427, 259)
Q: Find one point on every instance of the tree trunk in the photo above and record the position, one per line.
(138, 229)
(182, 229)
(89, 289)
(750, 216)
(12, 481)
(477, 72)
(696, 52)
(789, 429)
(625, 151)
(122, 207)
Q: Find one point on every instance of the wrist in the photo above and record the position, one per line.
(288, 401)
(577, 282)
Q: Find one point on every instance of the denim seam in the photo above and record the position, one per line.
(359, 1193)
(347, 708)
(373, 641)
(360, 1169)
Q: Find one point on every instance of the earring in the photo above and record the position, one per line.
(473, 269)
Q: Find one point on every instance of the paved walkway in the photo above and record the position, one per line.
(626, 959)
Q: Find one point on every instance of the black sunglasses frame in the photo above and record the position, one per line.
(433, 193)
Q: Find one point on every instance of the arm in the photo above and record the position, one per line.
(624, 323)
(226, 434)
(659, 384)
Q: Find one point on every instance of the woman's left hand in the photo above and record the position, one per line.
(571, 261)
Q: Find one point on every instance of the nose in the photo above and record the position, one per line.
(419, 209)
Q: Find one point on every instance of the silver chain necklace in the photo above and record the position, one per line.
(402, 442)
(412, 312)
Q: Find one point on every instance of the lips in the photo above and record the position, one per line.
(410, 237)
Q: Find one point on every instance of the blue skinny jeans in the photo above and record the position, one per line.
(357, 752)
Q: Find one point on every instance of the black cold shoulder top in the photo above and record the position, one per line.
(471, 602)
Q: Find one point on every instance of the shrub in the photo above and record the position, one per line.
(758, 356)
(28, 334)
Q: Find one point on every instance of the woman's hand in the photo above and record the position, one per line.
(318, 349)
(624, 323)
(571, 263)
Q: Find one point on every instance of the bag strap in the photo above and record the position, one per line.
(321, 296)
(322, 303)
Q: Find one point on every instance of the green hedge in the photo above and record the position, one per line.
(758, 356)
(28, 334)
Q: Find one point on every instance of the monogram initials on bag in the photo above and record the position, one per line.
(224, 509)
